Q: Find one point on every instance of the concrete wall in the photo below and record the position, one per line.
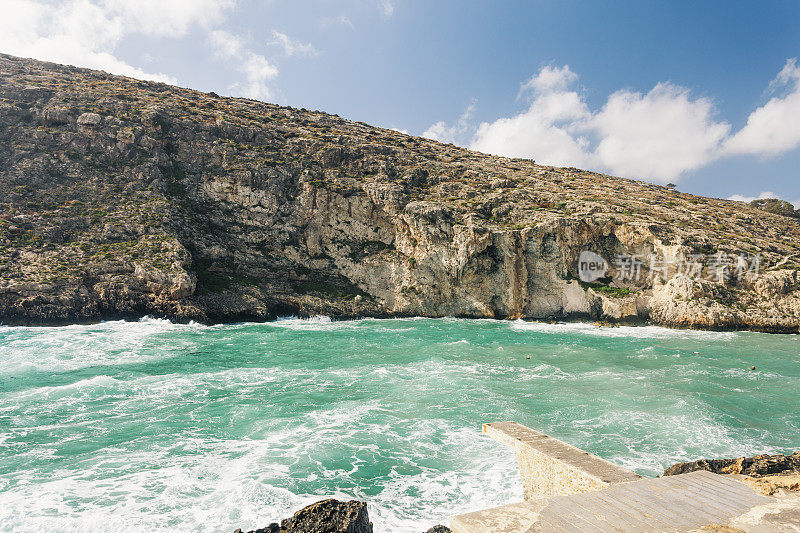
(550, 467)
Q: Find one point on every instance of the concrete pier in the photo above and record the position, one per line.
(550, 467)
(568, 489)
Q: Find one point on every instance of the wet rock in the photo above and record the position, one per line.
(272, 528)
(324, 516)
(760, 465)
(439, 529)
(330, 516)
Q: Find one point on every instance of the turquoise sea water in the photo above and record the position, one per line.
(142, 426)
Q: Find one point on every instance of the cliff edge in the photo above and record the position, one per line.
(120, 198)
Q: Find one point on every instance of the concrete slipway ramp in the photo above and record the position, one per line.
(569, 490)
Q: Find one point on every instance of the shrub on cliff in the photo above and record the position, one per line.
(773, 205)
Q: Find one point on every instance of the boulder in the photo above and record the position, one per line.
(325, 516)
(54, 116)
(330, 516)
(89, 120)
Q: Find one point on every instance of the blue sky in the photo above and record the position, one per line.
(702, 94)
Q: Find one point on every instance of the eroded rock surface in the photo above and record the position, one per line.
(120, 198)
(325, 516)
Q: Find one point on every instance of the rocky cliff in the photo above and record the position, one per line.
(120, 198)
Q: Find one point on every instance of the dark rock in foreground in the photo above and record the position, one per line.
(439, 529)
(329, 516)
(760, 465)
(272, 528)
(325, 516)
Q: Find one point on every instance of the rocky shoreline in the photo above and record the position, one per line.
(768, 474)
(133, 317)
(756, 466)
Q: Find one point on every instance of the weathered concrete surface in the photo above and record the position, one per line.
(568, 489)
(550, 467)
(781, 515)
(677, 503)
(698, 501)
(508, 518)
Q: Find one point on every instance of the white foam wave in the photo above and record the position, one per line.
(212, 444)
(52, 392)
(685, 431)
(79, 346)
(227, 484)
(641, 332)
(314, 323)
(756, 374)
(544, 371)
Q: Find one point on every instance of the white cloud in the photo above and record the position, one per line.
(86, 32)
(455, 134)
(170, 17)
(549, 130)
(291, 47)
(748, 199)
(329, 22)
(387, 8)
(773, 128)
(658, 135)
(550, 79)
(257, 70)
(545, 132)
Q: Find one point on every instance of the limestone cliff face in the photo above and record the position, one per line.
(122, 198)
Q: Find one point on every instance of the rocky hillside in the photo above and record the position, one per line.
(120, 198)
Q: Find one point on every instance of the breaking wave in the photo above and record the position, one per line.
(151, 425)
